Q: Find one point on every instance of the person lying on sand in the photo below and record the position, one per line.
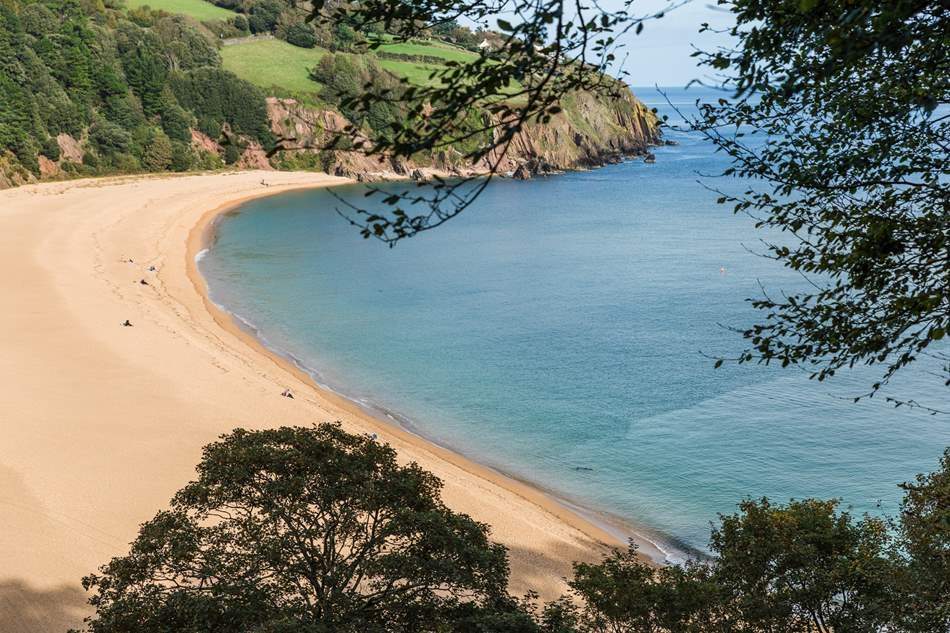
(127, 323)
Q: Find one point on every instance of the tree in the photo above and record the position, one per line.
(108, 138)
(854, 169)
(157, 154)
(625, 594)
(923, 554)
(301, 529)
(263, 15)
(146, 72)
(803, 566)
(218, 97)
(300, 35)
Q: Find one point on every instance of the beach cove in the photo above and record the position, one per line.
(102, 423)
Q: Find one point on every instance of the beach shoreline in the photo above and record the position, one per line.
(611, 530)
(103, 423)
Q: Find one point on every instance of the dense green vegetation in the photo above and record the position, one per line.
(119, 87)
(318, 530)
(128, 83)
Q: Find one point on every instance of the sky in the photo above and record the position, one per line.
(660, 55)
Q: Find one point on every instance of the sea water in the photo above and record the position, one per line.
(562, 330)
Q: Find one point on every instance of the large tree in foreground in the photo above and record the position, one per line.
(303, 530)
(313, 530)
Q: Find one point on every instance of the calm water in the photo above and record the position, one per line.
(555, 331)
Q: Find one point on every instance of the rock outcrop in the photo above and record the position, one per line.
(589, 132)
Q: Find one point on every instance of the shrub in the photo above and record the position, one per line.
(183, 157)
(51, 149)
(157, 155)
(232, 153)
(108, 138)
(301, 35)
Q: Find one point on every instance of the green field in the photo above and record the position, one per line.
(198, 9)
(436, 49)
(273, 63)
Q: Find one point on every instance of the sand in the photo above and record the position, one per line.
(102, 423)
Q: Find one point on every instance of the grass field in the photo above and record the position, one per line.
(418, 72)
(197, 9)
(273, 63)
(436, 49)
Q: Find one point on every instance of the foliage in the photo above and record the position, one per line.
(109, 138)
(800, 567)
(346, 77)
(187, 45)
(182, 157)
(263, 14)
(51, 149)
(176, 122)
(301, 529)
(82, 69)
(223, 103)
(301, 35)
(853, 172)
(157, 153)
(924, 554)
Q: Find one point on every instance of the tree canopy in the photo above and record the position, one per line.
(318, 530)
(853, 174)
(301, 529)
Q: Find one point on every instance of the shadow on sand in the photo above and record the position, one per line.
(24, 609)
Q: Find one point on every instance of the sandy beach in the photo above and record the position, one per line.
(102, 423)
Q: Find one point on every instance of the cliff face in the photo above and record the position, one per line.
(588, 133)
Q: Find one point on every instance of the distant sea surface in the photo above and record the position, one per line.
(560, 330)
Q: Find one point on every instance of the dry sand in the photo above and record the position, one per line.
(101, 423)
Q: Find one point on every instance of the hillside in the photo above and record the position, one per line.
(179, 85)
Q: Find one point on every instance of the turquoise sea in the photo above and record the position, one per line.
(559, 330)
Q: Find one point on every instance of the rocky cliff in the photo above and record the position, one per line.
(589, 132)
